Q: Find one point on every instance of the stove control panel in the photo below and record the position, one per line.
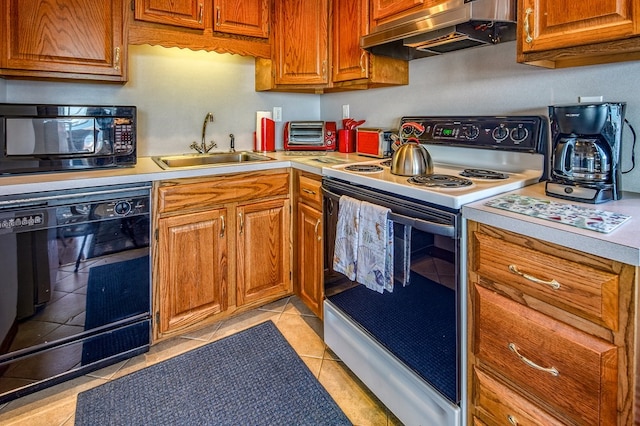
(510, 133)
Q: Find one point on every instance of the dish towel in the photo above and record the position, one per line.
(374, 266)
(346, 245)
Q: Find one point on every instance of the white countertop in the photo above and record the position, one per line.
(147, 170)
(622, 244)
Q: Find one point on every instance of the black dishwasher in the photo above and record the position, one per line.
(75, 285)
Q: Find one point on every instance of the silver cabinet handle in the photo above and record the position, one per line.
(362, 62)
(116, 60)
(553, 283)
(551, 370)
(527, 27)
(308, 191)
(200, 13)
(512, 420)
(241, 223)
(217, 16)
(315, 230)
(222, 227)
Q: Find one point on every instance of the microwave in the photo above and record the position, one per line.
(310, 136)
(49, 138)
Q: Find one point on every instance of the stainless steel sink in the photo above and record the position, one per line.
(207, 160)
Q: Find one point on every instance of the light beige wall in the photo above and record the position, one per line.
(173, 90)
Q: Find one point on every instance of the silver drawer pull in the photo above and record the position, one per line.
(308, 191)
(222, 226)
(553, 283)
(512, 420)
(551, 370)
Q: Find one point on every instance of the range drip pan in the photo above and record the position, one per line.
(364, 168)
(440, 181)
(484, 174)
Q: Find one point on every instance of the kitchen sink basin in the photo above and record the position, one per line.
(207, 160)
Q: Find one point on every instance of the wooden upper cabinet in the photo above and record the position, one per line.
(243, 17)
(81, 39)
(182, 13)
(301, 47)
(381, 9)
(350, 22)
(552, 24)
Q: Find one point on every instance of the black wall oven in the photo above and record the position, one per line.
(404, 345)
(75, 285)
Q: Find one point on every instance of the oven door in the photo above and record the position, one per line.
(404, 344)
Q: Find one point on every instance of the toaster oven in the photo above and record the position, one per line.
(310, 136)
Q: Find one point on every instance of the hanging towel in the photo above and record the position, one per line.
(375, 248)
(346, 246)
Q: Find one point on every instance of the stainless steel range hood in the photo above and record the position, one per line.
(452, 25)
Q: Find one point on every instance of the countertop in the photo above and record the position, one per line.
(622, 244)
(146, 170)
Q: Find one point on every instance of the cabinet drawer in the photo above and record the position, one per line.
(574, 372)
(497, 404)
(206, 193)
(580, 289)
(309, 191)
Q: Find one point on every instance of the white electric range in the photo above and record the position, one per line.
(416, 332)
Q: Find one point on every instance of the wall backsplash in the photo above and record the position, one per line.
(174, 89)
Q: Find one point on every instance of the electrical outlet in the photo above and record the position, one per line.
(277, 114)
(345, 111)
(589, 99)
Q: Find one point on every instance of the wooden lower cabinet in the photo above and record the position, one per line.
(551, 333)
(222, 246)
(308, 242)
(263, 251)
(193, 274)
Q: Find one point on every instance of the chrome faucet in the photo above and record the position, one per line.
(203, 148)
(232, 143)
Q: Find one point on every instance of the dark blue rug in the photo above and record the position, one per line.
(253, 377)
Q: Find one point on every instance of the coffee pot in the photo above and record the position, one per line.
(585, 154)
(582, 160)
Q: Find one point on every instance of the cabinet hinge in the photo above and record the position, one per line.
(133, 4)
(157, 317)
(155, 234)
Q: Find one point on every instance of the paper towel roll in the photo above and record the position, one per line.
(259, 116)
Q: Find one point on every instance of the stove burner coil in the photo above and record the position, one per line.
(363, 168)
(440, 181)
(484, 174)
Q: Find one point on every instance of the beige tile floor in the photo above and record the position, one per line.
(56, 405)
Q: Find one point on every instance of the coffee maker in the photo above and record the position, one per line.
(585, 157)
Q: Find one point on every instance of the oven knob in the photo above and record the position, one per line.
(470, 132)
(500, 133)
(122, 208)
(519, 134)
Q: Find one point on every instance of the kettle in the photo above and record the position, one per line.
(582, 160)
(411, 159)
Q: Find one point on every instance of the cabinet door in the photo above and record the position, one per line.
(181, 13)
(301, 50)
(79, 37)
(244, 17)
(309, 258)
(350, 22)
(547, 24)
(263, 251)
(192, 278)
(381, 9)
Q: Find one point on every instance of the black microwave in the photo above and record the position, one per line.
(49, 138)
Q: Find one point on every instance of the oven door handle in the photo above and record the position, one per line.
(422, 225)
